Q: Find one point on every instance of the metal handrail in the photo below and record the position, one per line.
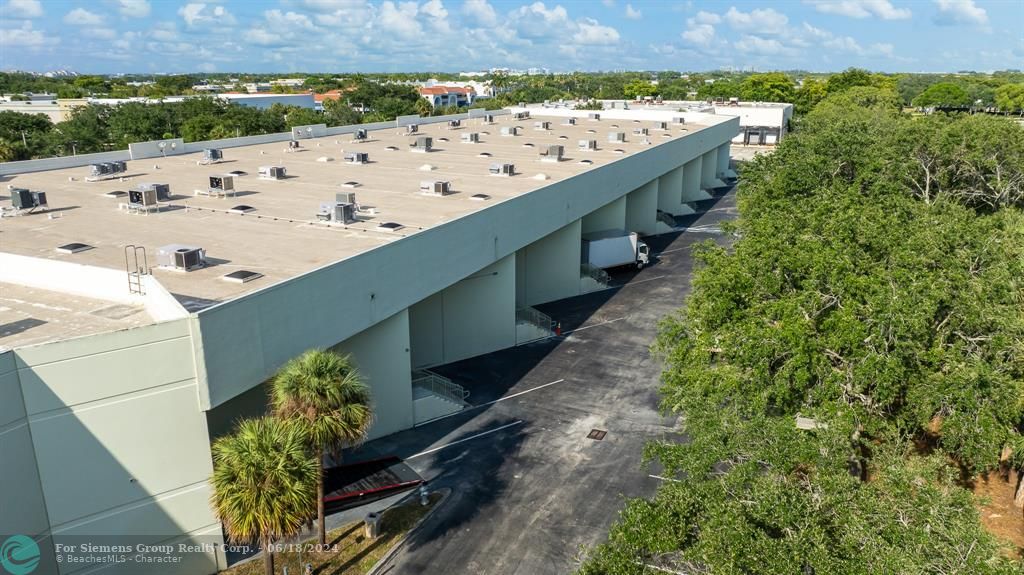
(536, 318)
(595, 273)
(440, 385)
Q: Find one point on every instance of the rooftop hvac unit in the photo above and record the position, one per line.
(454, 123)
(294, 145)
(412, 129)
(661, 125)
(471, 138)
(225, 183)
(213, 154)
(345, 198)
(510, 130)
(99, 169)
(360, 134)
(422, 144)
(163, 191)
(616, 136)
(181, 257)
(272, 172)
(678, 120)
(542, 125)
(522, 115)
(499, 169)
(588, 144)
(24, 199)
(641, 131)
(569, 122)
(357, 157)
(435, 188)
(338, 212)
(142, 197)
(489, 118)
(553, 153)
(594, 116)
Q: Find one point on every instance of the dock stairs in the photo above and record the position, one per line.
(434, 396)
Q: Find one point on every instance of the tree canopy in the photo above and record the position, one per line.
(942, 94)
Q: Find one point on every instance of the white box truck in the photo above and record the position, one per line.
(613, 248)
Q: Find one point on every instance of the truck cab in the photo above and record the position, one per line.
(643, 256)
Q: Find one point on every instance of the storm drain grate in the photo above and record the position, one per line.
(597, 434)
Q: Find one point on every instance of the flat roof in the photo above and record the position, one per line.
(282, 237)
(30, 316)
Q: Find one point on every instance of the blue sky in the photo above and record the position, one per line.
(109, 36)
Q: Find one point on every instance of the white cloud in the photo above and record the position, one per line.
(165, 32)
(289, 20)
(844, 44)
(699, 34)
(763, 46)
(437, 15)
(703, 17)
(82, 17)
(100, 33)
(480, 12)
(23, 9)
(26, 37)
(200, 13)
(760, 20)
(133, 8)
(591, 32)
(632, 13)
(400, 19)
(861, 8)
(960, 12)
(538, 21)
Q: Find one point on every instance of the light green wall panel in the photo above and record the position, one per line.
(22, 509)
(708, 170)
(549, 269)
(382, 355)
(480, 312)
(670, 193)
(642, 209)
(426, 331)
(12, 406)
(611, 216)
(692, 191)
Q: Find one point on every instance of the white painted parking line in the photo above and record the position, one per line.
(671, 250)
(506, 426)
(593, 325)
(517, 394)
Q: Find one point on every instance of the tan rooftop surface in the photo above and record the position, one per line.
(282, 237)
(30, 316)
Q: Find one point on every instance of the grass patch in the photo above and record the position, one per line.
(351, 553)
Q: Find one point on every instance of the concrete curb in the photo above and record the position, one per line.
(445, 493)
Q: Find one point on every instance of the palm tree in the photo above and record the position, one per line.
(263, 483)
(322, 392)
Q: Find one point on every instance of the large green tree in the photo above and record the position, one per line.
(942, 94)
(1010, 97)
(320, 393)
(771, 87)
(264, 480)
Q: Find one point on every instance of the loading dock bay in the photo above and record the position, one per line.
(540, 465)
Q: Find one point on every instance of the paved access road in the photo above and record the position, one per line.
(529, 489)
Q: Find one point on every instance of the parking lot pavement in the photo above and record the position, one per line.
(530, 490)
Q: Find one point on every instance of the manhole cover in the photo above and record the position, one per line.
(597, 434)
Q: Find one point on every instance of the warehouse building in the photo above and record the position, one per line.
(146, 296)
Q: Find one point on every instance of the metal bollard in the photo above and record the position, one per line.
(372, 525)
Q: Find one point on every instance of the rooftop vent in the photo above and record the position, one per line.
(618, 151)
(389, 226)
(594, 116)
(357, 157)
(241, 276)
(488, 118)
(181, 257)
(116, 194)
(237, 173)
(569, 122)
(392, 148)
(614, 125)
(411, 129)
(666, 135)
(510, 130)
(563, 137)
(471, 138)
(454, 124)
(616, 136)
(553, 153)
(163, 191)
(641, 131)
(479, 197)
(211, 155)
(350, 184)
(678, 120)
(586, 162)
(73, 248)
(542, 125)
(435, 188)
(359, 135)
(422, 144)
(661, 125)
(273, 172)
(528, 145)
(484, 155)
(325, 159)
(242, 209)
(499, 169)
(587, 144)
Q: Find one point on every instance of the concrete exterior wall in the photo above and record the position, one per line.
(474, 316)
(670, 193)
(692, 189)
(106, 414)
(382, 355)
(327, 305)
(611, 216)
(708, 171)
(549, 269)
(642, 209)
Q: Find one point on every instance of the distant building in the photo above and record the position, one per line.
(443, 96)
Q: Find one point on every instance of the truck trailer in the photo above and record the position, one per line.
(613, 248)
